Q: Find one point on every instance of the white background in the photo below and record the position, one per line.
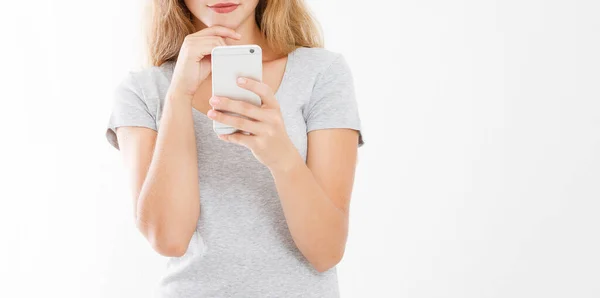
(480, 175)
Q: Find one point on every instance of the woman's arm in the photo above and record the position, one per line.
(315, 196)
(164, 172)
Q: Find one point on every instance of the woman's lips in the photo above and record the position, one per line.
(224, 7)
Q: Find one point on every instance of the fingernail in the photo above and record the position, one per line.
(241, 80)
(214, 100)
(238, 35)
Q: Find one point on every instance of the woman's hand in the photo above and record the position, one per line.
(193, 62)
(268, 139)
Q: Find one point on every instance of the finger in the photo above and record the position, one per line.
(261, 89)
(219, 31)
(220, 40)
(206, 49)
(235, 121)
(210, 41)
(199, 48)
(238, 107)
(239, 138)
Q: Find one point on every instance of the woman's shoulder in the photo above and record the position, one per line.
(151, 81)
(316, 61)
(153, 73)
(316, 53)
(316, 57)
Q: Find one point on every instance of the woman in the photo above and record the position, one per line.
(258, 215)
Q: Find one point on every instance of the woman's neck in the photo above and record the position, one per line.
(250, 35)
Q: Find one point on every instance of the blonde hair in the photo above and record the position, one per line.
(286, 25)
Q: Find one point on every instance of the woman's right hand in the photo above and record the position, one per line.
(193, 63)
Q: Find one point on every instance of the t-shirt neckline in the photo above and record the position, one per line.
(284, 79)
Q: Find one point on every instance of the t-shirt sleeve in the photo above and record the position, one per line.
(129, 109)
(333, 103)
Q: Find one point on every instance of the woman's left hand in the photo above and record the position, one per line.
(268, 139)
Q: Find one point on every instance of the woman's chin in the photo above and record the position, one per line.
(225, 22)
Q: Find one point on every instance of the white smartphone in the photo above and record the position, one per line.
(227, 64)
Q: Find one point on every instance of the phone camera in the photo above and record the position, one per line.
(251, 51)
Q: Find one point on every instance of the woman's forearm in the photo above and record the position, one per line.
(168, 205)
(318, 227)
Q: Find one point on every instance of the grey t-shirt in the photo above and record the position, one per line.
(242, 246)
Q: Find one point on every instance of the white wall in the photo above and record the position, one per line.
(479, 176)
